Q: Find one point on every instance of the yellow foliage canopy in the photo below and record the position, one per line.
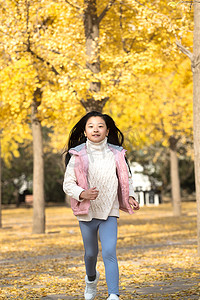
(43, 46)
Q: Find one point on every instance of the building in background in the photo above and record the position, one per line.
(147, 195)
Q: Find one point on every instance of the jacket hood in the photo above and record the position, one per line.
(77, 149)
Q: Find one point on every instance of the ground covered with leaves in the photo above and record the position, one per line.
(157, 256)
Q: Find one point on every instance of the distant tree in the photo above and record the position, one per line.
(195, 64)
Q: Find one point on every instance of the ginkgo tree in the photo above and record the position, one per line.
(34, 37)
(160, 112)
(194, 58)
(61, 65)
(25, 83)
(159, 106)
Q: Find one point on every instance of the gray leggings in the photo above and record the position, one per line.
(108, 237)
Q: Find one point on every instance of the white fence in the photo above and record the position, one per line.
(149, 197)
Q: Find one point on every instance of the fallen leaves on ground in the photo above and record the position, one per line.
(157, 255)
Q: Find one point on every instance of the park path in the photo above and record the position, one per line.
(159, 290)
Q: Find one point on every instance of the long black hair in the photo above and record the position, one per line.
(77, 136)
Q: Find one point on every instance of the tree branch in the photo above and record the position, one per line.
(184, 50)
(29, 43)
(150, 9)
(43, 60)
(145, 6)
(74, 6)
(102, 15)
(27, 22)
(63, 55)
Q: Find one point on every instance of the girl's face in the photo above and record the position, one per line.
(96, 129)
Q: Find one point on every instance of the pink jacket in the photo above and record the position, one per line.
(81, 171)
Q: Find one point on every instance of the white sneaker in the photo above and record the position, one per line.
(113, 297)
(91, 287)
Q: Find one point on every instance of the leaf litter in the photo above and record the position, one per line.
(157, 255)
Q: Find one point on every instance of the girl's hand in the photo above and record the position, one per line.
(133, 203)
(90, 194)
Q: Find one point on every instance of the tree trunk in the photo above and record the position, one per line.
(175, 182)
(196, 109)
(67, 201)
(38, 168)
(91, 27)
(0, 186)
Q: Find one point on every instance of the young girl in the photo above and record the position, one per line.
(99, 182)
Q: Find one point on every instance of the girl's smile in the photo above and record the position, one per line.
(96, 129)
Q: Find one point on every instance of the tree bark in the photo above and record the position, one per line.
(67, 201)
(91, 27)
(175, 182)
(0, 187)
(195, 64)
(38, 167)
(196, 109)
